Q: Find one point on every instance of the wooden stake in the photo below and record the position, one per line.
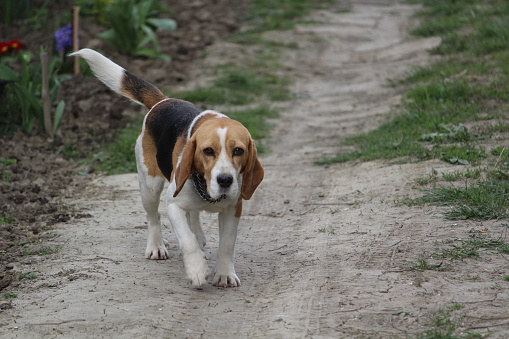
(46, 101)
(75, 37)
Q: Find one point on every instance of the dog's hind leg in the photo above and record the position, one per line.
(151, 186)
(151, 189)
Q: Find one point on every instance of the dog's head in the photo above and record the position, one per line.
(222, 151)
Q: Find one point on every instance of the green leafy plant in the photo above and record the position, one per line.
(21, 97)
(133, 26)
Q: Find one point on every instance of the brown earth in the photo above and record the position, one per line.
(322, 252)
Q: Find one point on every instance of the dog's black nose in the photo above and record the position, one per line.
(224, 180)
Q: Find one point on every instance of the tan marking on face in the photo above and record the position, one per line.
(238, 137)
(207, 137)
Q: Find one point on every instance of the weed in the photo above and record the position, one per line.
(119, 156)
(5, 220)
(453, 176)
(445, 325)
(42, 251)
(333, 211)
(10, 295)
(470, 248)
(461, 155)
(236, 86)
(331, 231)
(502, 155)
(27, 276)
(472, 173)
(423, 265)
(268, 15)
(506, 278)
(483, 200)
(255, 119)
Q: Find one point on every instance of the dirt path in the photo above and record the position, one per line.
(322, 252)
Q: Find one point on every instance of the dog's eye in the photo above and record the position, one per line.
(238, 151)
(208, 151)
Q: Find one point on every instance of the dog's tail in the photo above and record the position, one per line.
(120, 80)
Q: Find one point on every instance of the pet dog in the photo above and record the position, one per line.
(209, 160)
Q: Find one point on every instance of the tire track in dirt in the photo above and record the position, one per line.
(321, 250)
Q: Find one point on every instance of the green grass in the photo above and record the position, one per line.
(27, 276)
(119, 157)
(481, 200)
(41, 251)
(470, 81)
(255, 119)
(445, 325)
(239, 86)
(5, 220)
(270, 15)
(423, 265)
(10, 295)
(474, 246)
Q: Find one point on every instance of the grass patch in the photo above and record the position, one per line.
(482, 200)
(424, 265)
(474, 246)
(471, 79)
(255, 119)
(28, 276)
(270, 15)
(446, 323)
(6, 220)
(462, 155)
(42, 251)
(119, 157)
(236, 86)
(10, 295)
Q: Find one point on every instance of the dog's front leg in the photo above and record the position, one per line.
(225, 271)
(194, 258)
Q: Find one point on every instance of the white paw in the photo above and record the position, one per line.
(226, 280)
(157, 251)
(196, 269)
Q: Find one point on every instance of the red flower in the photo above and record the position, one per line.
(16, 44)
(4, 47)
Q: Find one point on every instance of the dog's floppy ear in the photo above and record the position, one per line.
(184, 167)
(253, 173)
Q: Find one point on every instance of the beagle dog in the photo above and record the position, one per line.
(209, 160)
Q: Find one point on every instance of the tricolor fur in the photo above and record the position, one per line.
(177, 142)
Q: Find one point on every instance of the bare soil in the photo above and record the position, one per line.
(322, 252)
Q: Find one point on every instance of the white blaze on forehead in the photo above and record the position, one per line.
(221, 132)
(223, 164)
(199, 116)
